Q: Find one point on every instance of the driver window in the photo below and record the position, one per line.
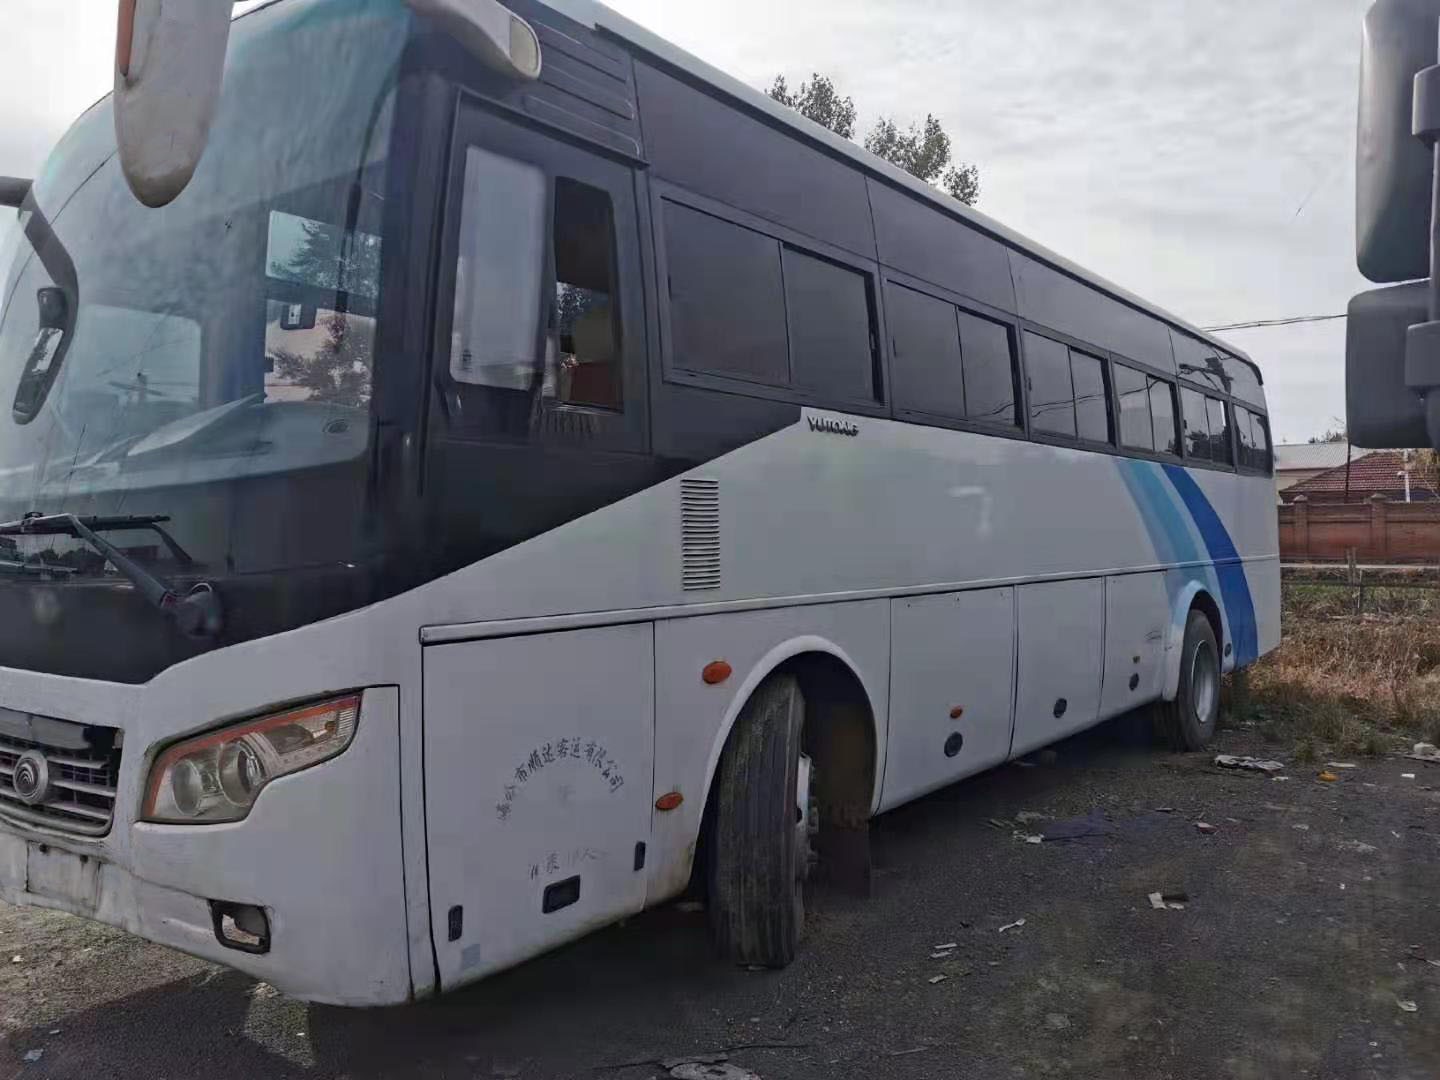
(584, 329)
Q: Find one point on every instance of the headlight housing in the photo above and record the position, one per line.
(217, 777)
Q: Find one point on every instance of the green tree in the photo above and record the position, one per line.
(338, 371)
(819, 101)
(329, 258)
(922, 150)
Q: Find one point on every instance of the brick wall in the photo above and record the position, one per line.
(1379, 530)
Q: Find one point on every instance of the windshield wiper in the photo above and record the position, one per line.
(197, 614)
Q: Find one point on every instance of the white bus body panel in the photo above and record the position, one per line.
(1062, 637)
(1137, 621)
(537, 772)
(948, 651)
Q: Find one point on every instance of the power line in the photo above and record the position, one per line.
(1292, 321)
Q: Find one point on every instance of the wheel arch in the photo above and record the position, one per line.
(1195, 596)
(813, 660)
(842, 732)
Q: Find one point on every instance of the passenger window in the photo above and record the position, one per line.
(585, 334)
(1219, 432)
(1265, 460)
(926, 368)
(829, 321)
(1052, 394)
(1197, 424)
(1254, 440)
(727, 298)
(988, 360)
(1162, 413)
(500, 267)
(1246, 432)
(1132, 391)
(1092, 410)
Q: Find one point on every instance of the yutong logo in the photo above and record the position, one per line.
(833, 426)
(32, 778)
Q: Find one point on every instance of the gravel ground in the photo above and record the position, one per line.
(1310, 928)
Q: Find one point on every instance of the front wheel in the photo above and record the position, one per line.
(1188, 722)
(759, 850)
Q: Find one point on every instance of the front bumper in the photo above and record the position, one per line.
(320, 852)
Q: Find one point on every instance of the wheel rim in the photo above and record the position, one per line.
(1204, 682)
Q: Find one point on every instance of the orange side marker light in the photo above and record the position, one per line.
(717, 671)
(669, 801)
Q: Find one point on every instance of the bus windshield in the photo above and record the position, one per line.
(202, 360)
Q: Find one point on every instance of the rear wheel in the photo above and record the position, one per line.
(760, 850)
(1188, 722)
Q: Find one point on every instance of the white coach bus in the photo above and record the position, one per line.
(526, 474)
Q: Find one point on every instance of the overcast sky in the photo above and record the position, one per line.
(1198, 153)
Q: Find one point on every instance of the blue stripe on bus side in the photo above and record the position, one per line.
(1234, 587)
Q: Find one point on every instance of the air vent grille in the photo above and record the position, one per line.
(700, 534)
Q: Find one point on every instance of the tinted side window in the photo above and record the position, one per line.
(1197, 424)
(1052, 394)
(586, 331)
(1262, 444)
(1246, 432)
(1219, 432)
(1162, 413)
(1092, 410)
(727, 298)
(989, 364)
(925, 368)
(829, 328)
(1132, 391)
(1254, 440)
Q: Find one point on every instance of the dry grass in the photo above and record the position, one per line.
(1347, 684)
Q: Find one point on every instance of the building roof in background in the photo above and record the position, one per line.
(1369, 473)
(1324, 455)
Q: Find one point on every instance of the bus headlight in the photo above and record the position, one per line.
(217, 776)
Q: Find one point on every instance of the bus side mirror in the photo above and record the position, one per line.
(1393, 168)
(1392, 350)
(169, 63)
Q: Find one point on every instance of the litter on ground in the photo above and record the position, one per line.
(1407, 776)
(1012, 926)
(1245, 761)
(936, 979)
(1424, 751)
(1171, 901)
(1328, 776)
(1340, 765)
(1205, 827)
(1407, 1006)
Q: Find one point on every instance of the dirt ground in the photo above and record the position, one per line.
(1308, 945)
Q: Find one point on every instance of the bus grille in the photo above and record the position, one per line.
(79, 796)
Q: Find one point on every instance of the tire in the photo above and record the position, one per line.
(1188, 722)
(758, 854)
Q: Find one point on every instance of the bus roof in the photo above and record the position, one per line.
(597, 16)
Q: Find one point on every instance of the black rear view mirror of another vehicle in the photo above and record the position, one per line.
(51, 339)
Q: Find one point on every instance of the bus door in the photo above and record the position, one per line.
(538, 749)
